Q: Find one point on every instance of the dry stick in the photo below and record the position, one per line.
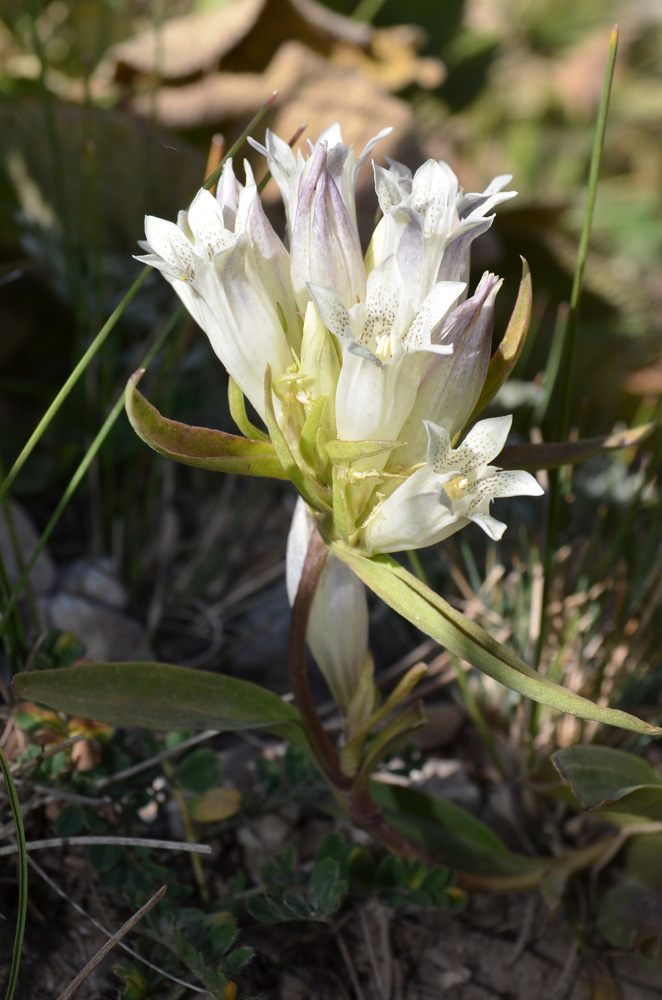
(347, 958)
(382, 977)
(109, 945)
(56, 748)
(161, 845)
(125, 947)
(144, 765)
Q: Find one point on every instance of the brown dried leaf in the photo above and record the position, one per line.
(239, 36)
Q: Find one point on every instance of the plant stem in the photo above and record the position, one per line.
(325, 753)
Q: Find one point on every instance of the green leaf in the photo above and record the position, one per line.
(606, 779)
(554, 454)
(630, 913)
(200, 447)
(326, 889)
(453, 835)
(161, 696)
(505, 357)
(434, 616)
(199, 770)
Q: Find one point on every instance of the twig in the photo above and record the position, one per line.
(156, 759)
(46, 754)
(383, 976)
(104, 930)
(161, 845)
(110, 944)
(347, 958)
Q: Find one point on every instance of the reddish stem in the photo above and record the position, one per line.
(354, 794)
(325, 753)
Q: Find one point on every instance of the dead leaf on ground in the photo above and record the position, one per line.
(217, 64)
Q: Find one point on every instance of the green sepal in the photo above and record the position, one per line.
(161, 696)
(353, 451)
(554, 454)
(434, 616)
(308, 439)
(200, 447)
(352, 750)
(392, 737)
(505, 357)
(315, 495)
(237, 405)
(342, 518)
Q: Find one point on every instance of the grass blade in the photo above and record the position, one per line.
(22, 881)
(569, 333)
(69, 384)
(80, 473)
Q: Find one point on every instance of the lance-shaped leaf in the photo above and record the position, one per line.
(434, 616)
(605, 779)
(505, 357)
(480, 857)
(161, 696)
(200, 447)
(554, 454)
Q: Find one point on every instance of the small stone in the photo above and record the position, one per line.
(107, 634)
(96, 578)
(42, 577)
(443, 722)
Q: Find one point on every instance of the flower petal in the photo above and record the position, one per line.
(483, 442)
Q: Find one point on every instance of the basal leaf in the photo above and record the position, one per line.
(606, 779)
(200, 447)
(161, 696)
(454, 836)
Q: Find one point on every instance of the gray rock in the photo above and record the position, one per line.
(42, 577)
(97, 579)
(108, 634)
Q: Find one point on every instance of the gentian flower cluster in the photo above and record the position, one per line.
(375, 361)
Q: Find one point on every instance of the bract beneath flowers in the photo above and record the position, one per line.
(376, 361)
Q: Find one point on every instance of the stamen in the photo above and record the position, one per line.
(386, 345)
(457, 487)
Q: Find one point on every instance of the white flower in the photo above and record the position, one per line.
(286, 168)
(361, 350)
(384, 340)
(448, 219)
(451, 385)
(233, 275)
(454, 487)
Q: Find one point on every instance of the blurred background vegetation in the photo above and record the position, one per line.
(108, 109)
